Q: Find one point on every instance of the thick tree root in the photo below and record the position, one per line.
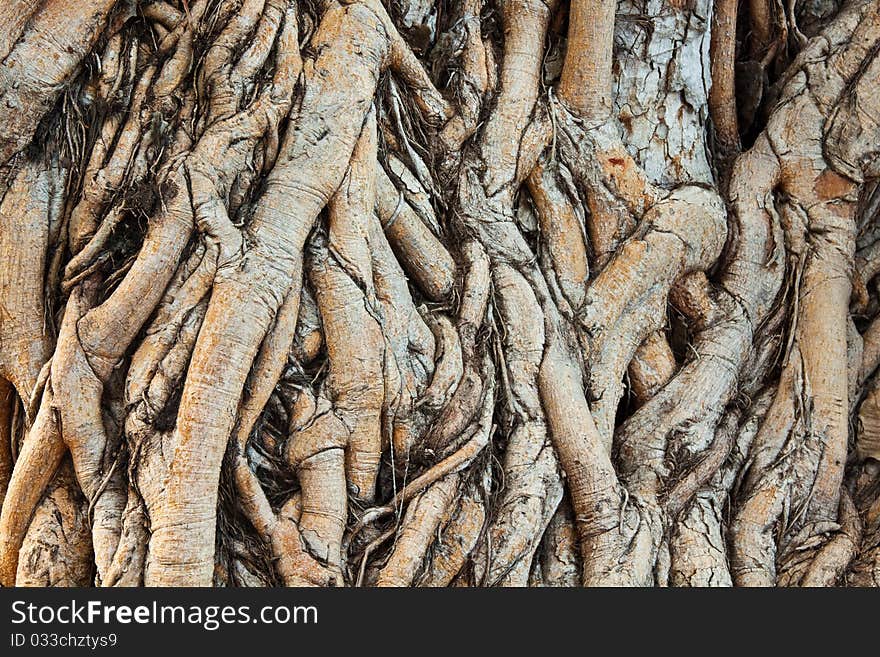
(513, 294)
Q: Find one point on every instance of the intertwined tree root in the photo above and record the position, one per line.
(412, 293)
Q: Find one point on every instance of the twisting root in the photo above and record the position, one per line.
(722, 96)
(485, 302)
(40, 455)
(478, 437)
(458, 537)
(423, 516)
(797, 477)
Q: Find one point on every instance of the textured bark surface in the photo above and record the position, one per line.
(439, 293)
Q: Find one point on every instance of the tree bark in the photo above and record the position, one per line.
(439, 292)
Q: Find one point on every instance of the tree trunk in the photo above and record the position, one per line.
(439, 292)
